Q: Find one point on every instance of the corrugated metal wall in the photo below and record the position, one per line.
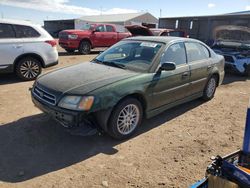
(202, 27)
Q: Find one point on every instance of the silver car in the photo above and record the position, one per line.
(25, 49)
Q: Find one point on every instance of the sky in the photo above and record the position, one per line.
(39, 10)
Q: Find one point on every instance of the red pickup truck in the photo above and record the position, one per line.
(89, 37)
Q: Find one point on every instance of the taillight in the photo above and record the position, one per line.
(51, 42)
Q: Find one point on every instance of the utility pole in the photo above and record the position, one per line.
(160, 12)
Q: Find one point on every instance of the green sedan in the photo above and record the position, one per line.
(136, 78)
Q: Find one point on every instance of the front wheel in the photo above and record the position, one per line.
(210, 88)
(125, 119)
(84, 47)
(28, 68)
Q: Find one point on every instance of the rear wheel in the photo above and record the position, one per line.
(28, 68)
(84, 47)
(210, 88)
(125, 119)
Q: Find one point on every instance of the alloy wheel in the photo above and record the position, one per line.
(29, 69)
(211, 87)
(128, 119)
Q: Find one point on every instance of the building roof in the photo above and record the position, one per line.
(112, 17)
(239, 13)
(243, 13)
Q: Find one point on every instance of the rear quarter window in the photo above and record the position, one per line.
(25, 31)
(6, 31)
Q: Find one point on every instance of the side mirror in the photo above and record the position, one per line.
(167, 66)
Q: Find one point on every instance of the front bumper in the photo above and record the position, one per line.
(232, 68)
(65, 117)
(69, 44)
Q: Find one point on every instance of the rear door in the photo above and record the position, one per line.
(171, 86)
(199, 60)
(99, 36)
(10, 46)
(31, 41)
(111, 35)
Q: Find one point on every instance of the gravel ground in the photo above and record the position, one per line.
(169, 150)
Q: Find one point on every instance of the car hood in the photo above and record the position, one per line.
(82, 78)
(138, 30)
(231, 35)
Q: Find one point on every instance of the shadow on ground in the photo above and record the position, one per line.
(37, 145)
(9, 78)
(230, 78)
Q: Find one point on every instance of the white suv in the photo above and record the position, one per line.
(25, 49)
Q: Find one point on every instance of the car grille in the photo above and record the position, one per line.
(63, 35)
(44, 96)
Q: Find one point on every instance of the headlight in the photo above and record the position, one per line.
(72, 36)
(77, 102)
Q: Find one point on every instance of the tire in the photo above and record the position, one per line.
(248, 71)
(119, 115)
(70, 50)
(210, 88)
(28, 68)
(84, 48)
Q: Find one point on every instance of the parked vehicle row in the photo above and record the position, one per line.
(138, 30)
(135, 78)
(89, 37)
(25, 49)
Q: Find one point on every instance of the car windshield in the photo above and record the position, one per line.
(133, 55)
(87, 27)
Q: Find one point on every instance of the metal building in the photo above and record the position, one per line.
(202, 27)
(142, 18)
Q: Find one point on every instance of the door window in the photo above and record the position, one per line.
(196, 51)
(109, 28)
(6, 31)
(100, 28)
(176, 54)
(25, 31)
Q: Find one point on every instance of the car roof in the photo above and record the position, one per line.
(163, 39)
(17, 22)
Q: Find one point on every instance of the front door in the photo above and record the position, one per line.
(171, 86)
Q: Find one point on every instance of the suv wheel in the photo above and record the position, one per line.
(210, 88)
(28, 68)
(125, 119)
(84, 47)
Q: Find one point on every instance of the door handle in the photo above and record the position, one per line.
(209, 67)
(185, 74)
(18, 46)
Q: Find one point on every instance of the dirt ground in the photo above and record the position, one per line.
(172, 149)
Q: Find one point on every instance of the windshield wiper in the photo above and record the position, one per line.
(110, 63)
